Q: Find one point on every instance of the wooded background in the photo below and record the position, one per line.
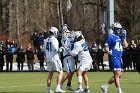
(20, 18)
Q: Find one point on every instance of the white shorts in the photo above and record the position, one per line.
(54, 65)
(69, 64)
(84, 66)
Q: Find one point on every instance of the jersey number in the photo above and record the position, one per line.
(85, 47)
(118, 46)
(48, 46)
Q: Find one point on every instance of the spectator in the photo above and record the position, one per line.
(100, 55)
(14, 44)
(93, 52)
(125, 58)
(8, 42)
(30, 58)
(40, 40)
(133, 53)
(1, 58)
(138, 57)
(9, 58)
(3, 45)
(34, 39)
(20, 58)
(41, 57)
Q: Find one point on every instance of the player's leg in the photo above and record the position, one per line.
(85, 77)
(69, 67)
(49, 79)
(50, 75)
(79, 76)
(58, 68)
(65, 69)
(105, 86)
(70, 75)
(117, 76)
(71, 70)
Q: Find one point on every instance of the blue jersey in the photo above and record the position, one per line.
(115, 45)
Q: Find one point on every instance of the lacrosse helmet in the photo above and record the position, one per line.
(64, 27)
(117, 27)
(54, 30)
(77, 34)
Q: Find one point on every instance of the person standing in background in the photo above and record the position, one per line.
(20, 58)
(100, 55)
(9, 58)
(30, 58)
(41, 57)
(1, 58)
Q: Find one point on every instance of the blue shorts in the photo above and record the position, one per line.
(115, 63)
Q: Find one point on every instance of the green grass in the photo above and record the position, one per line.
(21, 82)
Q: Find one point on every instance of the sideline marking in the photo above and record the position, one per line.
(22, 86)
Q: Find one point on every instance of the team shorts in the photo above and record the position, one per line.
(54, 65)
(69, 64)
(116, 63)
(84, 66)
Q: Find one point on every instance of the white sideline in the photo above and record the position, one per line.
(23, 86)
(37, 66)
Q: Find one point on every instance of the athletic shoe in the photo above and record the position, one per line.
(69, 88)
(79, 90)
(104, 89)
(86, 90)
(60, 90)
(120, 92)
(50, 91)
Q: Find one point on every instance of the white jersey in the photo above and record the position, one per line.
(51, 47)
(68, 60)
(81, 49)
(67, 42)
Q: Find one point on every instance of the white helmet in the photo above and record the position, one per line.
(54, 30)
(77, 34)
(117, 25)
(117, 28)
(64, 27)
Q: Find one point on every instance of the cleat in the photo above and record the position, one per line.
(104, 89)
(50, 91)
(60, 90)
(79, 90)
(86, 90)
(69, 88)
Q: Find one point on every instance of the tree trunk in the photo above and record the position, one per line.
(17, 21)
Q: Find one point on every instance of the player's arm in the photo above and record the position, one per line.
(106, 50)
(123, 37)
(125, 44)
(106, 45)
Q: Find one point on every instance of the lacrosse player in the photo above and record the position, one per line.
(114, 46)
(81, 49)
(68, 60)
(52, 51)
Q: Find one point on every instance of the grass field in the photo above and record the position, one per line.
(35, 82)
